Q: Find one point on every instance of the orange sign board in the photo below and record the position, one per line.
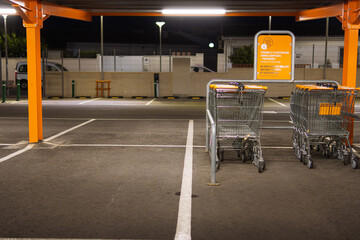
(274, 54)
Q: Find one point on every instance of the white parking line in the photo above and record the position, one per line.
(69, 130)
(183, 228)
(149, 102)
(28, 147)
(126, 145)
(269, 112)
(89, 101)
(5, 144)
(277, 102)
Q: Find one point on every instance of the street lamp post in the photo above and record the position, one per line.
(160, 24)
(5, 12)
(6, 56)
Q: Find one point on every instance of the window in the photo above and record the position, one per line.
(23, 68)
(51, 69)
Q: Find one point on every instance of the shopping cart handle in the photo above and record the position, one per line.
(238, 84)
(329, 85)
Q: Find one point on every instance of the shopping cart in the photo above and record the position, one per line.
(237, 112)
(321, 115)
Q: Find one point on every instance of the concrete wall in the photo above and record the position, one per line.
(180, 82)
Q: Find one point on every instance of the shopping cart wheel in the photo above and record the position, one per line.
(217, 166)
(220, 154)
(261, 166)
(309, 163)
(354, 162)
(344, 158)
(249, 154)
(243, 157)
(318, 148)
(303, 159)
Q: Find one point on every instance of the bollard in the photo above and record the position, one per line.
(73, 88)
(156, 85)
(3, 91)
(18, 90)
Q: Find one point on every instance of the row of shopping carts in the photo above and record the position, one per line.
(321, 115)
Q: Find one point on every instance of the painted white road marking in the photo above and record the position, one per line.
(28, 147)
(69, 130)
(89, 101)
(269, 112)
(150, 102)
(126, 145)
(277, 102)
(183, 228)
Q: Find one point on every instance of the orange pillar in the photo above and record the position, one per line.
(34, 82)
(350, 57)
(350, 65)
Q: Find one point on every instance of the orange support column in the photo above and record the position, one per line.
(33, 21)
(350, 65)
(34, 83)
(350, 57)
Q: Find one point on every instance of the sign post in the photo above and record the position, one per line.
(274, 55)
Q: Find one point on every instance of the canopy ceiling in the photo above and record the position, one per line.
(158, 5)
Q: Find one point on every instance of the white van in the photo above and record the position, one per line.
(21, 72)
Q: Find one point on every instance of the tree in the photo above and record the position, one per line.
(16, 45)
(243, 55)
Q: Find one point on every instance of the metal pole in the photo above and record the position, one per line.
(17, 90)
(114, 60)
(326, 45)
(62, 74)
(160, 48)
(73, 88)
(43, 73)
(3, 91)
(269, 23)
(169, 60)
(102, 47)
(6, 56)
(0, 67)
(313, 56)
(226, 65)
(79, 60)
(46, 65)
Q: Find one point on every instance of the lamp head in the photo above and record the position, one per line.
(160, 24)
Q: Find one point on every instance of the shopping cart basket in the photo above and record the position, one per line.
(237, 111)
(322, 118)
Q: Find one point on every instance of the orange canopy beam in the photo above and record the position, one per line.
(66, 12)
(322, 12)
(53, 10)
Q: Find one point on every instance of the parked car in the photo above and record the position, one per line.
(200, 69)
(21, 72)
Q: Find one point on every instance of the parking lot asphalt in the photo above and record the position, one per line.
(120, 175)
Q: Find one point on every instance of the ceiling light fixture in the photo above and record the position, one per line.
(7, 11)
(193, 11)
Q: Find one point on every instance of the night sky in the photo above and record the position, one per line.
(57, 31)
